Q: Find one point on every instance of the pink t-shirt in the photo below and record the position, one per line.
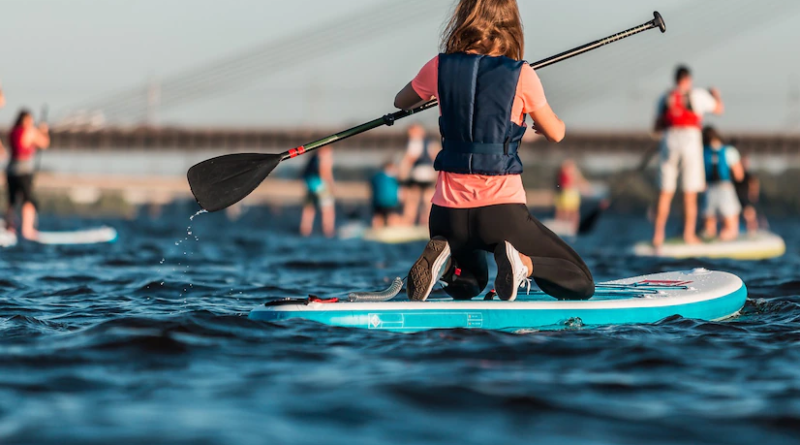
(469, 191)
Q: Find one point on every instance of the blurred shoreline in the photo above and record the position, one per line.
(116, 170)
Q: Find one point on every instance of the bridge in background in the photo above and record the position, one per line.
(148, 165)
(231, 140)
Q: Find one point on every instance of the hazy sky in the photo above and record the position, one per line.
(72, 52)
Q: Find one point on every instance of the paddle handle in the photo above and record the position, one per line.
(390, 119)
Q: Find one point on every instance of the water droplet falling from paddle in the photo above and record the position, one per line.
(191, 218)
(187, 251)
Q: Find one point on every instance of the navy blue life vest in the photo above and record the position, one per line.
(425, 157)
(717, 168)
(312, 167)
(476, 95)
(312, 175)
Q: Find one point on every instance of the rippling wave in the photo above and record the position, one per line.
(148, 341)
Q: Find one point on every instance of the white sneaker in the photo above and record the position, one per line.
(426, 270)
(511, 273)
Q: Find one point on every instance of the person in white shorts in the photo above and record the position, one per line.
(680, 117)
(418, 176)
(723, 165)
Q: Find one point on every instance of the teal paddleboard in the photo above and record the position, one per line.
(700, 294)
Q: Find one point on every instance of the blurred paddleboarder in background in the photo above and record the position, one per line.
(24, 141)
(723, 166)
(385, 197)
(318, 178)
(418, 176)
(568, 196)
(680, 117)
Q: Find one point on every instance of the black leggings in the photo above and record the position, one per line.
(557, 269)
(20, 189)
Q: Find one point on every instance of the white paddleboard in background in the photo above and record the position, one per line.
(97, 235)
(7, 239)
(755, 246)
(398, 235)
(564, 229)
(386, 235)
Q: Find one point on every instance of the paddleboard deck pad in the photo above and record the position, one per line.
(754, 246)
(699, 294)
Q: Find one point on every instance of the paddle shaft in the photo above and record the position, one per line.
(43, 120)
(589, 220)
(390, 119)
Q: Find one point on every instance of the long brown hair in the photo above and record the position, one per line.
(709, 134)
(486, 27)
(23, 113)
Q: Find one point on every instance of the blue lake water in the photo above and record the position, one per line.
(148, 341)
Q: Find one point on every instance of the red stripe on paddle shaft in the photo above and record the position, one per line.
(293, 153)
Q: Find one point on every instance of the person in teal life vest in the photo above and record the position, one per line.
(418, 175)
(723, 166)
(318, 178)
(680, 117)
(385, 197)
(24, 140)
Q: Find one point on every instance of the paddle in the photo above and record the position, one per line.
(225, 180)
(589, 221)
(43, 120)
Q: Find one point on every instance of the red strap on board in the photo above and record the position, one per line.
(313, 299)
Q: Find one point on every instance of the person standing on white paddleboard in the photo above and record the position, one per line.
(485, 91)
(680, 118)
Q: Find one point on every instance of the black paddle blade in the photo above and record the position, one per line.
(225, 180)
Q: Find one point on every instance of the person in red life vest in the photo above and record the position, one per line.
(24, 140)
(485, 91)
(680, 117)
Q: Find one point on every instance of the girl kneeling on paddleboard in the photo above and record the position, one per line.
(485, 90)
